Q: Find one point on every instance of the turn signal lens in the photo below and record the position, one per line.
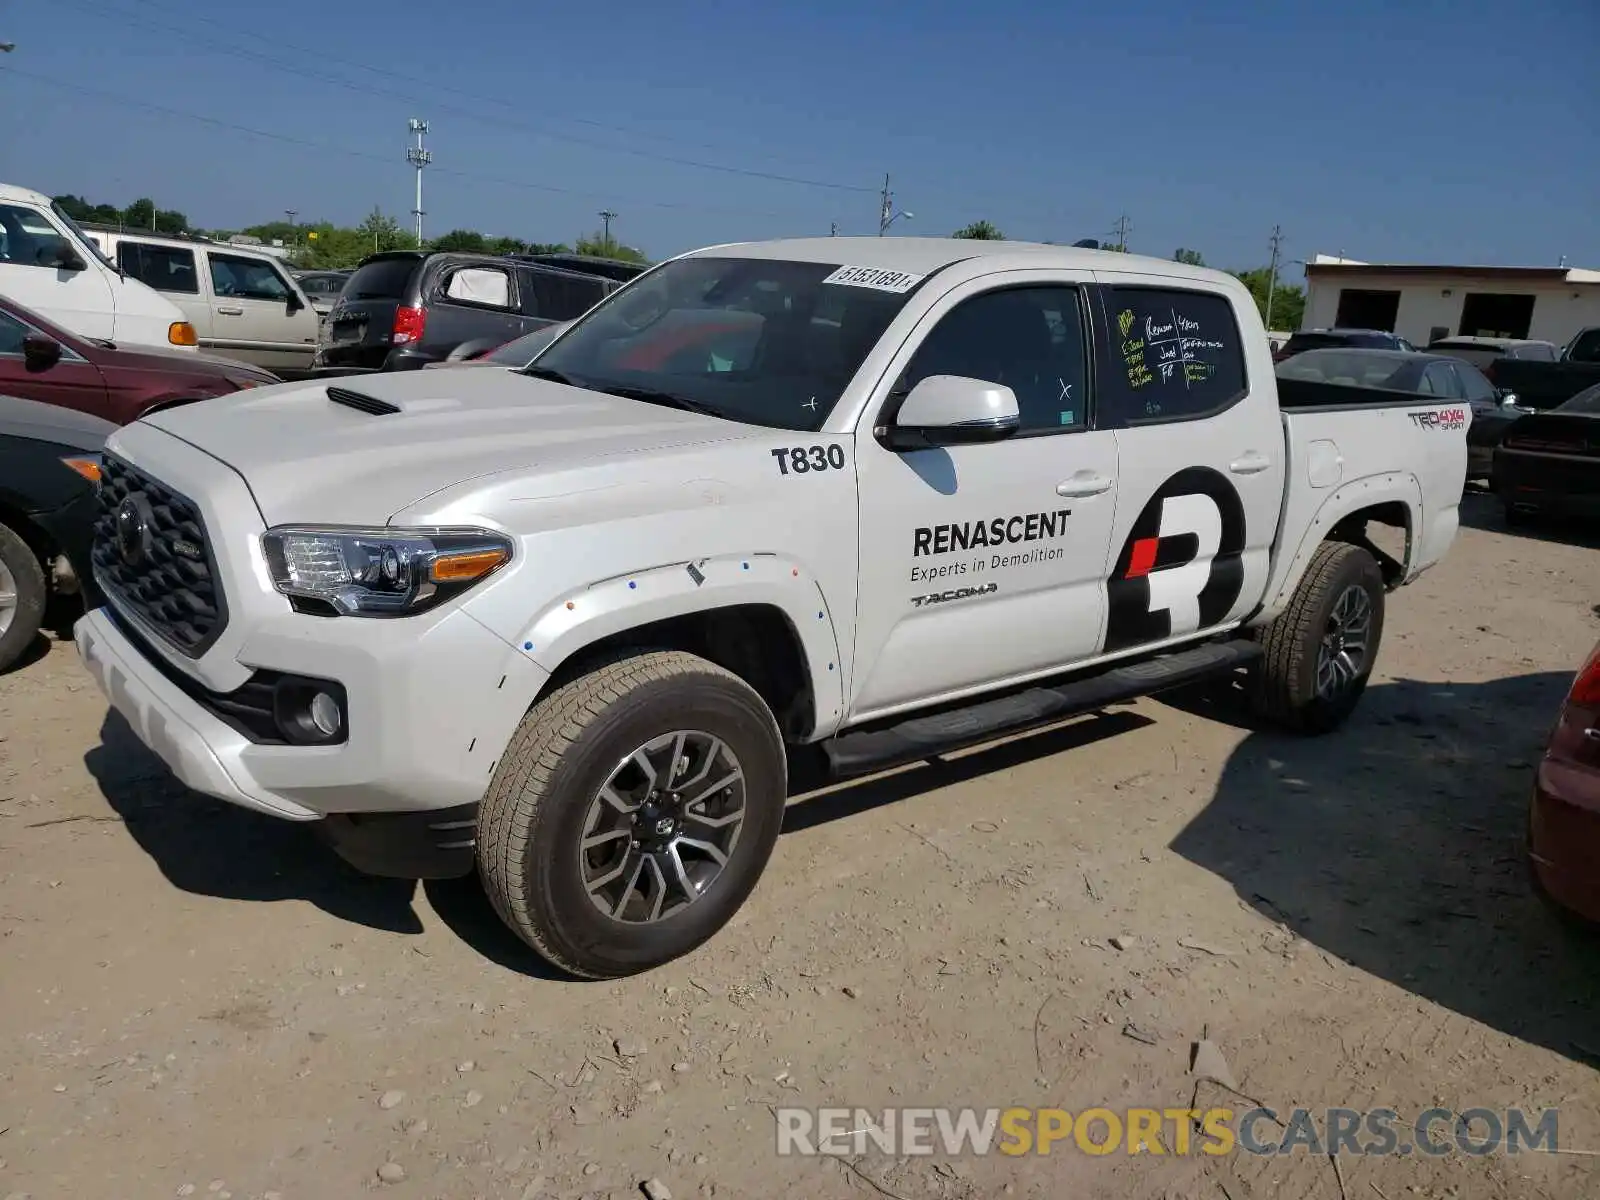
(89, 468)
(181, 333)
(463, 568)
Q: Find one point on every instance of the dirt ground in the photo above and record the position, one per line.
(198, 1001)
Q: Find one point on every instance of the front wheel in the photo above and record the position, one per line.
(633, 813)
(1318, 653)
(23, 593)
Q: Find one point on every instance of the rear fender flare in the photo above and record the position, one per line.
(585, 615)
(1393, 487)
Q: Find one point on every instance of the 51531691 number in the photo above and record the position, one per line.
(802, 460)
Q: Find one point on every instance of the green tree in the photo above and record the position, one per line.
(461, 239)
(1191, 257)
(80, 209)
(548, 248)
(1288, 301)
(980, 231)
(143, 214)
(600, 246)
(507, 245)
(381, 232)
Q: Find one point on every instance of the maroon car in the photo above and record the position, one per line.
(1564, 824)
(41, 361)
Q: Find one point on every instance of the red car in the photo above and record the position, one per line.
(41, 361)
(1564, 824)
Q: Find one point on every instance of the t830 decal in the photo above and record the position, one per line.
(1180, 569)
(802, 460)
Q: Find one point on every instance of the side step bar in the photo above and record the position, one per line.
(862, 753)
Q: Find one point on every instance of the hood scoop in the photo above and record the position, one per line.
(362, 402)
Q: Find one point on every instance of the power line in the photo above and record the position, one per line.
(350, 152)
(139, 22)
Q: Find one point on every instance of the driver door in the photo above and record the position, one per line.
(982, 564)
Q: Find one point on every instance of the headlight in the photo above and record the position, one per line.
(381, 572)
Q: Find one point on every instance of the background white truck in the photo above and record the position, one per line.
(49, 265)
(876, 498)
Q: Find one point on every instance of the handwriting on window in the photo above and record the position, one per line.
(1165, 348)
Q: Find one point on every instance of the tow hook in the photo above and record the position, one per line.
(63, 579)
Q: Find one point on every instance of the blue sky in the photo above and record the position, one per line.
(1414, 131)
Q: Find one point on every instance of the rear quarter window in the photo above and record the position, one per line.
(1173, 355)
(387, 279)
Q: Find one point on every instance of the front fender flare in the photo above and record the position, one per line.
(585, 615)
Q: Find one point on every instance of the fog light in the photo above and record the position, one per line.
(325, 714)
(309, 712)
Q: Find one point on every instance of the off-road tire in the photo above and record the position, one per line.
(1284, 681)
(32, 593)
(531, 820)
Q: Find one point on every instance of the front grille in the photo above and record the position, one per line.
(165, 575)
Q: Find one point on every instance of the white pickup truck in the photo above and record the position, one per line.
(880, 498)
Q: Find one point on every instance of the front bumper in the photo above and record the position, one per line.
(430, 707)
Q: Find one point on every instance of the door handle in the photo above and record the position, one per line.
(1250, 463)
(227, 310)
(1084, 483)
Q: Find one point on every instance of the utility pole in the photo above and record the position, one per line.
(608, 216)
(418, 158)
(887, 215)
(1121, 229)
(1272, 272)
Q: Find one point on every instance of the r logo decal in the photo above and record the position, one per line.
(1180, 569)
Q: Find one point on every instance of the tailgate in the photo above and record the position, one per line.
(359, 323)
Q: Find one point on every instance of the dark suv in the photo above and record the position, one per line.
(405, 308)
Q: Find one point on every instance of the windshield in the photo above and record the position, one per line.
(84, 240)
(760, 340)
(1585, 347)
(1386, 369)
(1586, 401)
(519, 352)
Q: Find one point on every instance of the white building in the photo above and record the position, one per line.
(1422, 303)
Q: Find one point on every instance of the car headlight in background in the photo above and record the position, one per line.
(381, 572)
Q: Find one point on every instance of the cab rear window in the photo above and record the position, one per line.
(1174, 355)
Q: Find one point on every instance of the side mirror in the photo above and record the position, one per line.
(293, 305)
(1507, 397)
(40, 353)
(952, 410)
(68, 259)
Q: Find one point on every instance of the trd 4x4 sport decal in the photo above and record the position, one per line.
(1180, 569)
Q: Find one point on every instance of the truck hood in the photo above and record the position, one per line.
(309, 459)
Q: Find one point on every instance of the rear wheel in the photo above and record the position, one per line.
(1318, 653)
(633, 813)
(22, 596)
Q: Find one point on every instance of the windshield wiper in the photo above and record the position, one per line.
(537, 372)
(669, 399)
